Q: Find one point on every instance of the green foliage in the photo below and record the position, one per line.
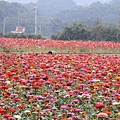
(1, 34)
(15, 35)
(10, 9)
(99, 32)
(34, 36)
(74, 32)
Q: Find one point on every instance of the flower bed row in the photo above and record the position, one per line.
(32, 45)
(59, 87)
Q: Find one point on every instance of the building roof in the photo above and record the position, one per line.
(19, 30)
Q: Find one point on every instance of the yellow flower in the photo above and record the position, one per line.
(26, 72)
(8, 82)
(118, 78)
(19, 87)
(118, 114)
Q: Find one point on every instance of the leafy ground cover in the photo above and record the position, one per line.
(38, 86)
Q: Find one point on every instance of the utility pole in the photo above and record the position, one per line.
(36, 12)
(18, 18)
(4, 24)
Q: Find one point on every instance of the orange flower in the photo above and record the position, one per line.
(107, 111)
(41, 115)
(54, 117)
(66, 119)
(95, 87)
(84, 113)
(118, 78)
(31, 100)
(52, 80)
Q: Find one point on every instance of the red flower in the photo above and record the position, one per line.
(21, 106)
(7, 116)
(118, 98)
(16, 77)
(35, 87)
(2, 111)
(99, 105)
(4, 87)
(9, 73)
(107, 111)
(12, 110)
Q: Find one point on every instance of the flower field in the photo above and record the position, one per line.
(43, 46)
(38, 86)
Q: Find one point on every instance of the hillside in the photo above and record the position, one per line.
(49, 8)
(10, 10)
(25, 14)
(107, 13)
(88, 2)
(78, 2)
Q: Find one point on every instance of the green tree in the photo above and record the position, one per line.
(76, 31)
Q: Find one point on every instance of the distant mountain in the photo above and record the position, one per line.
(88, 2)
(106, 12)
(78, 2)
(10, 10)
(22, 1)
(51, 7)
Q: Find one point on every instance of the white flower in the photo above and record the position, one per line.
(116, 103)
(17, 116)
(96, 80)
(86, 96)
(27, 111)
(79, 96)
(101, 96)
(8, 82)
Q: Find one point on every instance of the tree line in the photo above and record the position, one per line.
(18, 35)
(98, 32)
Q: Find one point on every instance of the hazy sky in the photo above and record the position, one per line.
(78, 2)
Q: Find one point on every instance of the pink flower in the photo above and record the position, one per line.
(75, 101)
(102, 115)
(63, 107)
(14, 95)
(11, 118)
(75, 118)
